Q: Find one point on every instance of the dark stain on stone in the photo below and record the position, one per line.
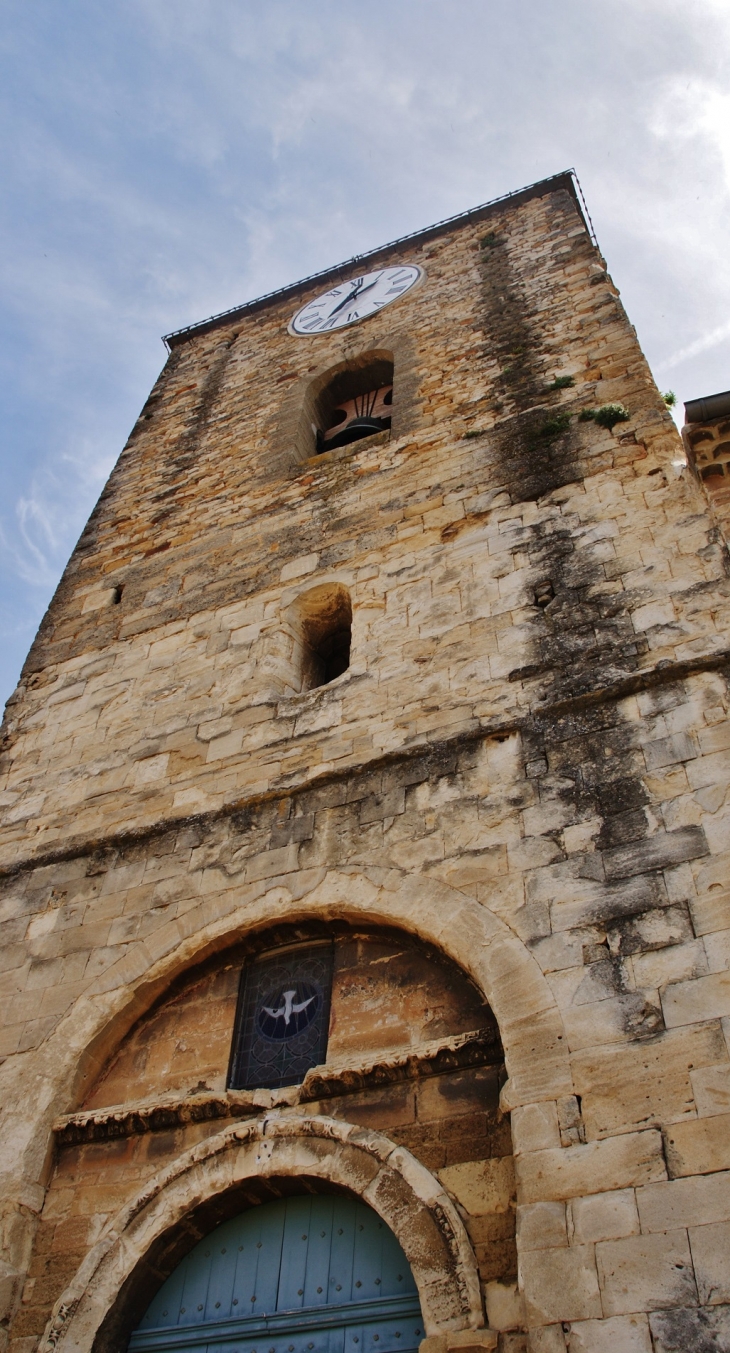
(702, 1329)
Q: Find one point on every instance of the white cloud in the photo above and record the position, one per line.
(703, 344)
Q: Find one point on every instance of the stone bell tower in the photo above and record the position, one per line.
(364, 848)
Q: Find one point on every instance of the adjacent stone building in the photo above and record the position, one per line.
(706, 435)
(364, 841)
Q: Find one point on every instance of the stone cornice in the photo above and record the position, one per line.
(478, 1048)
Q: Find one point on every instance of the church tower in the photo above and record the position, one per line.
(365, 841)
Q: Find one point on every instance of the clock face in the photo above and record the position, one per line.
(351, 301)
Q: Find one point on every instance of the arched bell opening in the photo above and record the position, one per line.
(352, 402)
(309, 1269)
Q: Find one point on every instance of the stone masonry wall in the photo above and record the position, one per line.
(538, 792)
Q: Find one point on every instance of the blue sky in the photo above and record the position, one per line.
(166, 159)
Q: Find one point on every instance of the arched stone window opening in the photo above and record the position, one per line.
(355, 403)
(385, 994)
(324, 622)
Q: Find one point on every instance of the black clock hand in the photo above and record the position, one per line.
(359, 291)
(346, 300)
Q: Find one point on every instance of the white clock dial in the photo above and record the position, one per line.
(354, 300)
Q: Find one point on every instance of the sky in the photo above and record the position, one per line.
(163, 160)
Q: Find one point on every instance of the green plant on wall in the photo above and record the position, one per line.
(670, 399)
(562, 383)
(606, 416)
(554, 427)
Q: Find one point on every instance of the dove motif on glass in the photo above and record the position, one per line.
(283, 1017)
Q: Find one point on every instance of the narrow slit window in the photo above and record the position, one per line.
(326, 621)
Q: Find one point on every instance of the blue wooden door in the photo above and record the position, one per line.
(301, 1275)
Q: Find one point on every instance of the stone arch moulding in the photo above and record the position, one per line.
(465, 930)
(488, 950)
(387, 1177)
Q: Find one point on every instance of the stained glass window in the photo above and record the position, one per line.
(283, 1017)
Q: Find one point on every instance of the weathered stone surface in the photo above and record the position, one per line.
(706, 1330)
(630, 1159)
(508, 810)
(540, 1226)
(711, 1258)
(683, 1202)
(699, 1147)
(627, 1333)
(559, 1280)
(645, 1272)
(604, 1216)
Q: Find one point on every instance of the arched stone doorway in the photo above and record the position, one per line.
(99, 1307)
(304, 1273)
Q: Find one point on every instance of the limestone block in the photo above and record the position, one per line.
(679, 963)
(547, 1339)
(96, 600)
(655, 852)
(582, 902)
(717, 830)
(645, 1273)
(297, 568)
(617, 1334)
(711, 909)
(466, 1341)
(617, 1020)
(560, 1284)
(667, 751)
(717, 949)
(555, 952)
(711, 1088)
(624, 1086)
(654, 613)
(541, 1226)
(619, 1162)
(271, 863)
(708, 770)
(701, 999)
(471, 1341)
(603, 1216)
(481, 1186)
(684, 1202)
(699, 1147)
(228, 745)
(581, 836)
(505, 1307)
(711, 1256)
(585, 984)
(535, 1127)
(706, 1327)
(73, 691)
